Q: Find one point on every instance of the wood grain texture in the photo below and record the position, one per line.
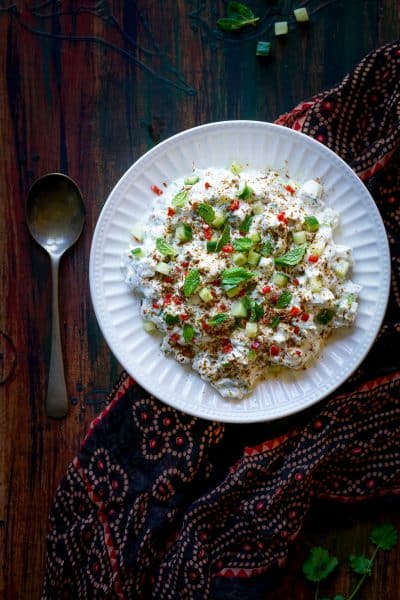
(85, 89)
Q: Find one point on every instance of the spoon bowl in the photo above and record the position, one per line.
(55, 215)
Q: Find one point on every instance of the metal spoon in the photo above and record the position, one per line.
(55, 215)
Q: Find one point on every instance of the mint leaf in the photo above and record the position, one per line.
(192, 282)
(180, 199)
(384, 536)
(324, 316)
(188, 333)
(218, 319)
(319, 564)
(237, 8)
(243, 244)
(206, 212)
(256, 311)
(224, 238)
(171, 319)
(284, 299)
(235, 276)
(267, 248)
(360, 564)
(311, 224)
(274, 322)
(293, 257)
(246, 193)
(164, 248)
(244, 226)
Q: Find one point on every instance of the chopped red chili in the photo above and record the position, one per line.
(294, 311)
(207, 185)
(295, 281)
(289, 188)
(228, 248)
(167, 298)
(275, 350)
(168, 280)
(296, 330)
(156, 305)
(305, 316)
(234, 205)
(313, 258)
(266, 289)
(185, 264)
(156, 190)
(227, 347)
(282, 218)
(274, 298)
(177, 301)
(174, 337)
(170, 212)
(184, 317)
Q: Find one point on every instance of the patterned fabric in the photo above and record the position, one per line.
(158, 504)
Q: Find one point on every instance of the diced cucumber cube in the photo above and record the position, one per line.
(253, 258)
(149, 327)
(137, 232)
(299, 237)
(251, 330)
(255, 237)
(163, 268)
(239, 309)
(137, 253)
(317, 247)
(316, 283)
(311, 224)
(206, 295)
(301, 15)
(258, 208)
(239, 258)
(191, 180)
(184, 233)
(280, 279)
(234, 291)
(341, 268)
(236, 169)
(220, 218)
(281, 28)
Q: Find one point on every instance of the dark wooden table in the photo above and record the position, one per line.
(85, 89)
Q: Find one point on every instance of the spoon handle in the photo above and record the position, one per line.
(56, 400)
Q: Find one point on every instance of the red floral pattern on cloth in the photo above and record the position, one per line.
(159, 504)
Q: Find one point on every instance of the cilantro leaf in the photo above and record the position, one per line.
(192, 282)
(164, 248)
(180, 199)
(284, 299)
(319, 564)
(218, 319)
(206, 212)
(235, 276)
(360, 564)
(224, 238)
(188, 333)
(243, 244)
(293, 257)
(384, 536)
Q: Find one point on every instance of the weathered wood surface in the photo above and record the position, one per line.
(86, 88)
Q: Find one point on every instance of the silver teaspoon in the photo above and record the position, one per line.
(55, 215)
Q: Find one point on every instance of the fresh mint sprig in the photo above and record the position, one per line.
(238, 15)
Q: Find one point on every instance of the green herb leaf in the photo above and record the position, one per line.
(224, 239)
(180, 199)
(291, 258)
(311, 223)
(137, 252)
(246, 193)
(324, 316)
(191, 180)
(284, 299)
(360, 564)
(188, 333)
(274, 322)
(384, 536)
(211, 245)
(267, 248)
(229, 24)
(192, 282)
(164, 248)
(235, 9)
(171, 319)
(206, 212)
(244, 226)
(235, 276)
(256, 311)
(218, 319)
(319, 564)
(243, 244)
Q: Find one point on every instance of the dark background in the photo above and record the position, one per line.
(85, 89)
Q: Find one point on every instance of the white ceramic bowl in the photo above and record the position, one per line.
(260, 146)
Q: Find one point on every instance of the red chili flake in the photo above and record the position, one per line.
(275, 350)
(234, 205)
(207, 185)
(298, 352)
(266, 289)
(313, 258)
(294, 311)
(168, 280)
(156, 190)
(184, 317)
(174, 337)
(170, 211)
(274, 298)
(241, 293)
(216, 282)
(167, 298)
(228, 248)
(227, 347)
(289, 188)
(185, 264)
(282, 218)
(256, 344)
(205, 326)
(304, 317)
(177, 301)
(222, 306)
(296, 330)
(213, 293)
(295, 281)
(156, 305)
